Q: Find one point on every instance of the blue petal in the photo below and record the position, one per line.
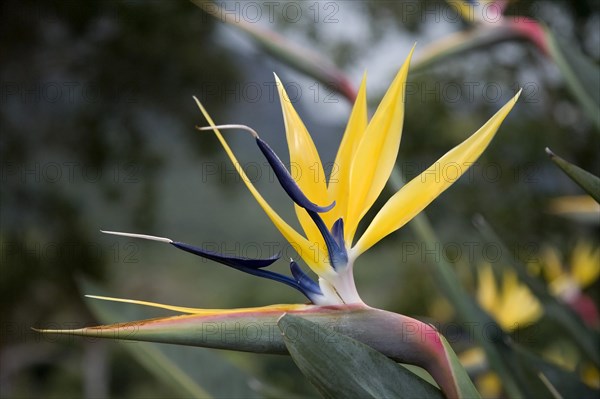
(303, 279)
(337, 231)
(300, 282)
(287, 182)
(232, 261)
(337, 252)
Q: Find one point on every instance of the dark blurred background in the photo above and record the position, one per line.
(97, 132)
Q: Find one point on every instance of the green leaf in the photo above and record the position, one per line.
(581, 74)
(339, 366)
(586, 180)
(191, 372)
(464, 383)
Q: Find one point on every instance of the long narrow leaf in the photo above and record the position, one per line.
(565, 383)
(586, 180)
(581, 74)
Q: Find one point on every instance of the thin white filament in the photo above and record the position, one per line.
(142, 236)
(230, 126)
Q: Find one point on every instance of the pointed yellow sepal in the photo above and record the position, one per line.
(202, 311)
(339, 180)
(423, 189)
(376, 153)
(305, 165)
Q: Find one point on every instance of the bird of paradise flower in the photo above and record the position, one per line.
(329, 215)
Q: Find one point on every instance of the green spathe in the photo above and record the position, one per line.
(398, 337)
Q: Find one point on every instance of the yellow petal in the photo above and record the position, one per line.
(206, 312)
(590, 375)
(423, 189)
(518, 306)
(489, 385)
(376, 153)
(552, 264)
(304, 248)
(512, 306)
(305, 165)
(487, 294)
(339, 180)
(585, 264)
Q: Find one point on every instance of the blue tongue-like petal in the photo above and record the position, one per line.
(338, 257)
(284, 177)
(232, 261)
(334, 240)
(303, 279)
(287, 182)
(337, 231)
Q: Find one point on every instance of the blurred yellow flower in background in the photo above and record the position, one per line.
(511, 304)
(568, 277)
(581, 270)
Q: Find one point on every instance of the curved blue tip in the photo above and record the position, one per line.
(287, 182)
